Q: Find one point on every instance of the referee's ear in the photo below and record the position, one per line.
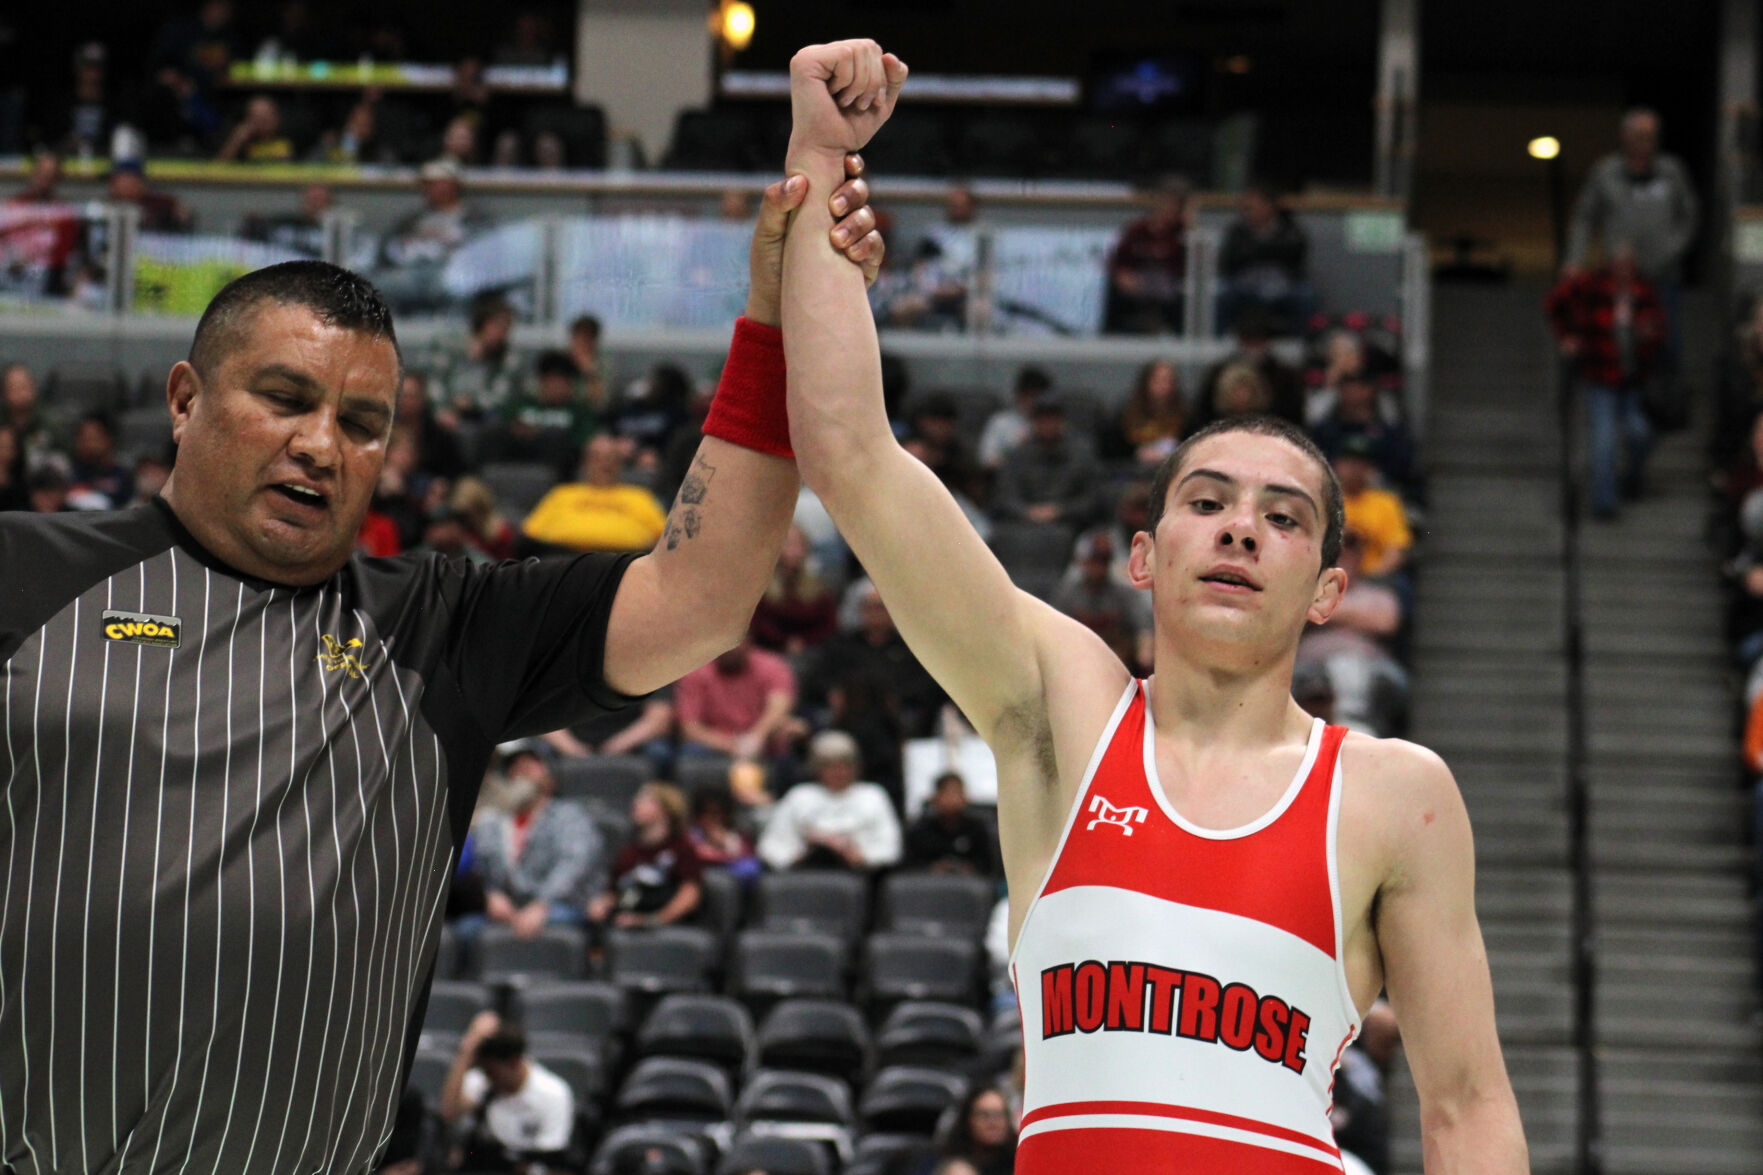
(181, 387)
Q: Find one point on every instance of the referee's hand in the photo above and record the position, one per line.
(853, 234)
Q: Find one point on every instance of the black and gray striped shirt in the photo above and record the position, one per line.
(230, 814)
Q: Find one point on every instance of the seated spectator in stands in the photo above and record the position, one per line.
(444, 532)
(1262, 265)
(1009, 427)
(656, 877)
(1153, 420)
(161, 212)
(511, 1110)
(461, 143)
(435, 431)
(47, 485)
(300, 231)
(1376, 514)
(659, 407)
(645, 730)
(258, 137)
(478, 380)
(799, 611)
(1314, 692)
(935, 426)
(834, 821)
(1285, 383)
(1741, 390)
(980, 1133)
(1132, 513)
(1361, 1112)
(21, 410)
(947, 837)
(406, 493)
(1353, 649)
(866, 682)
(540, 858)
(491, 533)
(551, 422)
(378, 536)
(13, 495)
(81, 121)
(1239, 390)
(1148, 268)
(1051, 477)
(358, 140)
(600, 512)
(584, 348)
(99, 480)
(43, 184)
(415, 249)
(202, 45)
(739, 705)
(1609, 322)
(1112, 610)
(1356, 412)
(945, 261)
(715, 837)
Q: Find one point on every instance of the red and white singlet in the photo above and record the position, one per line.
(1184, 997)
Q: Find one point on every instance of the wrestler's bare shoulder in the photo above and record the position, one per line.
(1393, 792)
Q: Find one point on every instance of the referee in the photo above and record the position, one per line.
(238, 759)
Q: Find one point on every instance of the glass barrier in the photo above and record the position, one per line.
(1049, 281)
(179, 275)
(55, 257)
(438, 269)
(652, 270)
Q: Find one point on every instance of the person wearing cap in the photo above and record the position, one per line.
(835, 820)
(1050, 477)
(1374, 513)
(161, 212)
(414, 250)
(511, 1107)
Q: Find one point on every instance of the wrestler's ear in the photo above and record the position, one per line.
(1331, 585)
(1140, 560)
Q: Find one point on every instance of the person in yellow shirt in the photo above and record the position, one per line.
(1375, 513)
(601, 512)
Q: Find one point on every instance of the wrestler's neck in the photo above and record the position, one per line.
(1225, 697)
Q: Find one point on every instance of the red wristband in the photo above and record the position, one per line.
(750, 407)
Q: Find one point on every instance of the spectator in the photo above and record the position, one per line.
(948, 837)
(258, 137)
(1009, 427)
(460, 144)
(358, 140)
(1313, 691)
(738, 705)
(645, 730)
(444, 532)
(512, 1110)
(1285, 384)
(200, 47)
(799, 610)
(834, 821)
(160, 211)
(47, 485)
(600, 512)
(946, 261)
(300, 231)
(23, 413)
(1262, 264)
(735, 205)
(584, 348)
(1741, 389)
(1609, 322)
(434, 431)
(13, 494)
(934, 435)
(550, 423)
(1376, 514)
(415, 250)
(1356, 412)
(1148, 268)
(1112, 610)
(296, 36)
(1369, 687)
(541, 859)
(1240, 391)
(480, 380)
(43, 185)
(980, 1133)
(656, 877)
(82, 123)
(714, 836)
(1051, 477)
(1152, 420)
(867, 682)
(530, 41)
(99, 481)
(491, 533)
(406, 494)
(660, 405)
(1132, 513)
(1643, 198)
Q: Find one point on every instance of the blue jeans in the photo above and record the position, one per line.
(1615, 420)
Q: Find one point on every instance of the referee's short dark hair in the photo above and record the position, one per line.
(507, 1043)
(335, 296)
(1334, 521)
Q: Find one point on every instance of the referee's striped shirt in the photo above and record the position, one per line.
(229, 814)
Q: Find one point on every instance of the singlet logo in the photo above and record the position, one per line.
(1121, 818)
(140, 628)
(342, 655)
(1144, 997)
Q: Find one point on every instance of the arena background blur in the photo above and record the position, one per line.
(780, 947)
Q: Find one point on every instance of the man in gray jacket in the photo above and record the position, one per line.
(1643, 197)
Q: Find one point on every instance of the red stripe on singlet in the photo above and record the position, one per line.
(1159, 1110)
(1144, 1151)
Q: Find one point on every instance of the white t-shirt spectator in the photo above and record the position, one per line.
(539, 1118)
(863, 812)
(1005, 429)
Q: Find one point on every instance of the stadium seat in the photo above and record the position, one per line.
(614, 825)
(1034, 553)
(452, 1004)
(74, 388)
(143, 432)
(554, 953)
(775, 1095)
(582, 1069)
(911, 967)
(772, 965)
(775, 1155)
(675, 1089)
(649, 1150)
(937, 904)
(700, 771)
(721, 908)
(909, 1099)
(713, 140)
(815, 1036)
(889, 1154)
(662, 959)
(581, 128)
(580, 1008)
(704, 1027)
(928, 1032)
(610, 781)
(518, 485)
(428, 1074)
(822, 901)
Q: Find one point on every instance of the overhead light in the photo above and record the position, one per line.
(1545, 147)
(1238, 64)
(732, 22)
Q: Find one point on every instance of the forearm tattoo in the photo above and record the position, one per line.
(685, 521)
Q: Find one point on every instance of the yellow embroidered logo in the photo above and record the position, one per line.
(342, 655)
(139, 628)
